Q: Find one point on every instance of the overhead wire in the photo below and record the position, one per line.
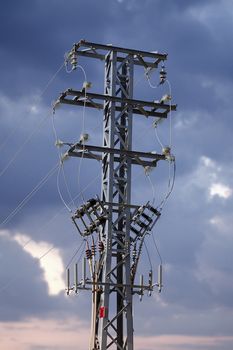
(19, 150)
(171, 181)
(47, 223)
(148, 255)
(67, 58)
(83, 127)
(29, 196)
(171, 184)
(157, 249)
(61, 167)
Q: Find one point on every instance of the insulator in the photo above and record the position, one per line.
(162, 75)
(134, 254)
(88, 253)
(142, 224)
(92, 227)
(101, 246)
(68, 281)
(102, 220)
(147, 217)
(76, 278)
(91, 202)
(160, 277)
(134, 230)
(150, 277)
(155, 211)
(93, 249)
(74, 61)
(80, 212)
(84, 270)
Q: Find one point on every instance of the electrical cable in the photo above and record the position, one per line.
(171, 184)
(52, 79)
(8, 137)
(46, 224)
(83, 128)
(75, 253)
(148, 255)
(19, 150)
(29, 196)
(157, 249)
(59, 191)
(83, 116)
(170, 112)
(61, 167)
(152, 187)
(158, 138)
(33, 132)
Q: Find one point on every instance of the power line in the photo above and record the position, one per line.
(29, 196)
(19, 150)
(46, 224)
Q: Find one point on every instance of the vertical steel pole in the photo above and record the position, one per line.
(115, 328)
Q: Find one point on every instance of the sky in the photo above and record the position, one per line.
(194, 235)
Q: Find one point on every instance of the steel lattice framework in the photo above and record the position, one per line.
(112, 276)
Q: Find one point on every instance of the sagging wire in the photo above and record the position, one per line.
(157, 136)
(75, 253)
(165, 150)
(29, 195)
(46, 224)
(59, 143)
(157, 249)
(171, 184)
(33, 132)
(72, 58)
(148, 255)
(170, 111)
(52, 79)
(147, 73)
(84, 137)
(19, 150)
(152, 185)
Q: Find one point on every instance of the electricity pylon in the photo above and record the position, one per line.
(119, 226)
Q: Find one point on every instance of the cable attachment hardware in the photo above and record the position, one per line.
(143, 220)
(166, 151)
(73, 60)
(162, 75)
(90, 217)
(86, 85)
(101, 246)
(59, 143)
(83, 138)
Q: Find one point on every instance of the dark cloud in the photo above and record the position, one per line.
(196, 251)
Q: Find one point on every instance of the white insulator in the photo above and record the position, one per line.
(64, 157)
(68, 281)
(76, 278)
(166, 151)
(150, 277)
(59, 143)
(87, 85)
(160, 277)
(165, 98)
(84, 138)
(148, 169)
(141, 285)
(84, 271)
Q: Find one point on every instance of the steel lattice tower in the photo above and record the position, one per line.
(112, 278)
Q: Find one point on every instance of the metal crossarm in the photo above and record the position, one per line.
(99, 51)
(93, 100)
